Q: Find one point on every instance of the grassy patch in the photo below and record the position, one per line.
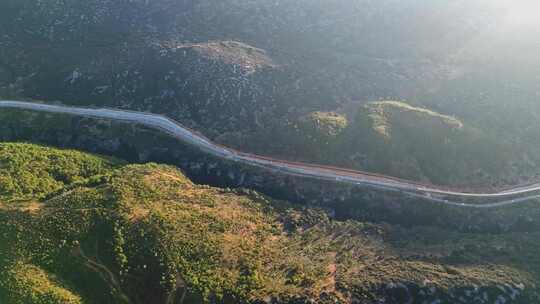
(24, 283)
(29, 171)
(381, 115)
(323, 125)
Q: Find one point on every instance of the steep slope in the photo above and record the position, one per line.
(29, 171)
(246, 72)
(146, 233)
(422, 144)
(416, 143)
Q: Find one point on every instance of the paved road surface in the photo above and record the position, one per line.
(432, 193)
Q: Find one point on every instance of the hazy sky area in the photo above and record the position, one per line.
(522, 13)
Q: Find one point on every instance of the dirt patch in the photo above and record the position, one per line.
(330, 284)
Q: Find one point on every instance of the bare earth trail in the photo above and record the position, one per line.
(432, 193)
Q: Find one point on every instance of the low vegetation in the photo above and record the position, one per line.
(116, 233)
(267, 78)
(382, 115)
(398, 139)
(322, 125)
(29, 171)
(30, 284)
(420, 144)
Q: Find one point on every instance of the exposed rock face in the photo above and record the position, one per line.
(246, 58)
(345, 201)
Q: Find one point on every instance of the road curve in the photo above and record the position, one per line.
(431, 193)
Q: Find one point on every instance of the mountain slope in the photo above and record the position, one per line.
(402, 140)
(247, 72)
(140, 233)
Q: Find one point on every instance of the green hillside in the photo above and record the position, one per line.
(113, 233)
(29, 171)
(402, 140)
(421, 144)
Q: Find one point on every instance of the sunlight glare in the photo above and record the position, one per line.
(524, 13)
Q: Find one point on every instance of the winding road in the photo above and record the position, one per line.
(431, 193)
